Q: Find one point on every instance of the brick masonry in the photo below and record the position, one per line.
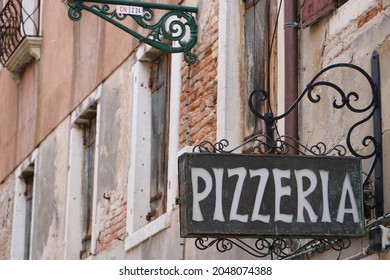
(113, 223)
(370, 14)
(202, 90)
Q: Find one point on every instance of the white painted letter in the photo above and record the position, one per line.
(325, 196)
(196, 174)
(241, 173)
(218, 211)
(263, 173)
(342, 210)
(279, 192)
(302, 201)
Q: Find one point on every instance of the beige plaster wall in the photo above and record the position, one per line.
(349, 35)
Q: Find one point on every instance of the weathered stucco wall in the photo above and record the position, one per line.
(76, 58)
(50, 195)
(113, 159)
(348, 35)
(9, 124)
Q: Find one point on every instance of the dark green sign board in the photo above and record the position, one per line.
(267, 195)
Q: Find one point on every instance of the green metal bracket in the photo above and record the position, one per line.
(175, 32)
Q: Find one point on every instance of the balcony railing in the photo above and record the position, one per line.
(19, 20)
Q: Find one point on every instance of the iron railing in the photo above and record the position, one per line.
(18, 19)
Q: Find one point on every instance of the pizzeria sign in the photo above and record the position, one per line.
(225, 195)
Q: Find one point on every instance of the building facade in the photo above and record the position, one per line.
(92, 121)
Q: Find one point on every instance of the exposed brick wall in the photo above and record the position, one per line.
(6, 215)
(113, 223)
(203, 82)
(370, 14)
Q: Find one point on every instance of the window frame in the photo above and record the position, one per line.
(27, 169)
(88, 127)
(74, 220)
(138, 199)
(257, 31)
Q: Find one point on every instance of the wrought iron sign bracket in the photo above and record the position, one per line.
(343, 100)
(175, 32)
(271, 143)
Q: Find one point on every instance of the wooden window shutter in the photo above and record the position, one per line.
(314, 10)
(159, 84)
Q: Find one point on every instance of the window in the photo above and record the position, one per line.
(22, 228)
(89, 137)
(80, 237)
(314, 10)
(260, 55)
(150, 141)
(30, 17)
(28, 178)
(155, 122)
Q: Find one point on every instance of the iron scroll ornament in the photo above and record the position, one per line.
(275, 248)
(175, 32)
(343, 100)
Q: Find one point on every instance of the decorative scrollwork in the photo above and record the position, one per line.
(175, 32)
(206, 146)
(273, 248)
(343, 99)
(74, 11)
(259, 145)
(352, 101)
(321, 149)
